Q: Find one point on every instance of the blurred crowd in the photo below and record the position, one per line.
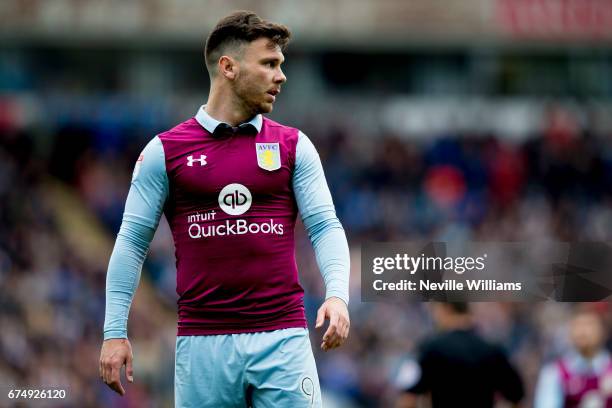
(555, 185)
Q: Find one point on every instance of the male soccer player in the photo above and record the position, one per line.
(230, 183)
(583, 376)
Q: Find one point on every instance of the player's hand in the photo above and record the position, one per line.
(336, 311)
(114, 354)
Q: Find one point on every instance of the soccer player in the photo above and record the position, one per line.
(583, 376)
(230, 182)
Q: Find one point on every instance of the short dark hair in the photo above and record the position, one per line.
(461, 308)
(239, 28)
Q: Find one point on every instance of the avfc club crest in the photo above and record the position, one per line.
(268, 156)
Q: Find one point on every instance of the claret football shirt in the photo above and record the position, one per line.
(231, 197)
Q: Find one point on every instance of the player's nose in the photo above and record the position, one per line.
(280, 77)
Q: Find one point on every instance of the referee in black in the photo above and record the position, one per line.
(458, 368)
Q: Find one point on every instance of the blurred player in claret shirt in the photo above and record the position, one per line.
(231, 182)
(458, 368)
(583, 376)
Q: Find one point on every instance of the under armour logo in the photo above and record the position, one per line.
(201, 160)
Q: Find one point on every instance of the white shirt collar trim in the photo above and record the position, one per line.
(209, 123)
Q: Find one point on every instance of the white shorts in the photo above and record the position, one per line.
(265, 369)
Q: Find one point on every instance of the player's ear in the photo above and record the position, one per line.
(228, 67)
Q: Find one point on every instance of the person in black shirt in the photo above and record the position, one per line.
(458, 368)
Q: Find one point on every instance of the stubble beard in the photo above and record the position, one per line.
(249, 97)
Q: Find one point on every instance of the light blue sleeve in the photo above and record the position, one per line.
(319, 216)
(143, 209)
(549, 391)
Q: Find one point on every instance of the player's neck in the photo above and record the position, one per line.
(457, 322)
(224, 107)
(589, 353)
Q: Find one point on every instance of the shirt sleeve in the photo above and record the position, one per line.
(143, 209)
(319, 216)
(423, 383)
(509, 382)
(549, 391)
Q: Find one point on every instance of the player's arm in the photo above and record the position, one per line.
(549, 390)
(143, 209)
(409, 400)
(328, 240)
(416, 378)
(509, 382)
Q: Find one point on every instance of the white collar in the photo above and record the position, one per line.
(209, 123)
(599, 362)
